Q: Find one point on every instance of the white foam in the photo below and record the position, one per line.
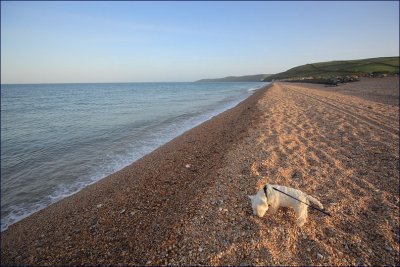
(255, 88)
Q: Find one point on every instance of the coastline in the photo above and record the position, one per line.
(186, 203)
(70, 159)
(122, 196)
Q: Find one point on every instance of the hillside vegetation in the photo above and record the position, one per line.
(247, 78)
(362, 67)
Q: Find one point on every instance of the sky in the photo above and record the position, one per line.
(66, 42)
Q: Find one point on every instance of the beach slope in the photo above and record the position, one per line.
(186, 203)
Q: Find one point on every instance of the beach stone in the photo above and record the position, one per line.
(122, 211)
(296, 175)
(319, 256)
(93, 222)
(99, 205)
(93, 229)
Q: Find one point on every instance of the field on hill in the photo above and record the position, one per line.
(362, 67)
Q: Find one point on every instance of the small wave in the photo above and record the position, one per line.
(252, 89)
(20, 212)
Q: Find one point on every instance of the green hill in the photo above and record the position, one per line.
(362, 67)
(247, 78)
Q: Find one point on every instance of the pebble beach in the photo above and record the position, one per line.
(186, 202)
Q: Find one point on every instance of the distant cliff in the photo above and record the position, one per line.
(247, 78)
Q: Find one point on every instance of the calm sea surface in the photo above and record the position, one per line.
(58, 138)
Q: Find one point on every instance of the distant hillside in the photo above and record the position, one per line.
(247, 78)
(362, 67)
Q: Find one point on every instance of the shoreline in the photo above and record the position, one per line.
(164, 165)
(169, 132)
(186, 203)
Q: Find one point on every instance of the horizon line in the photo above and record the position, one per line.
(112, 82)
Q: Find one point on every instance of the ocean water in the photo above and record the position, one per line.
(58, 138)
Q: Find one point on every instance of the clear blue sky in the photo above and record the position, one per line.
(184, 41)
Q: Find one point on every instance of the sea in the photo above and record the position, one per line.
(59, 138)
